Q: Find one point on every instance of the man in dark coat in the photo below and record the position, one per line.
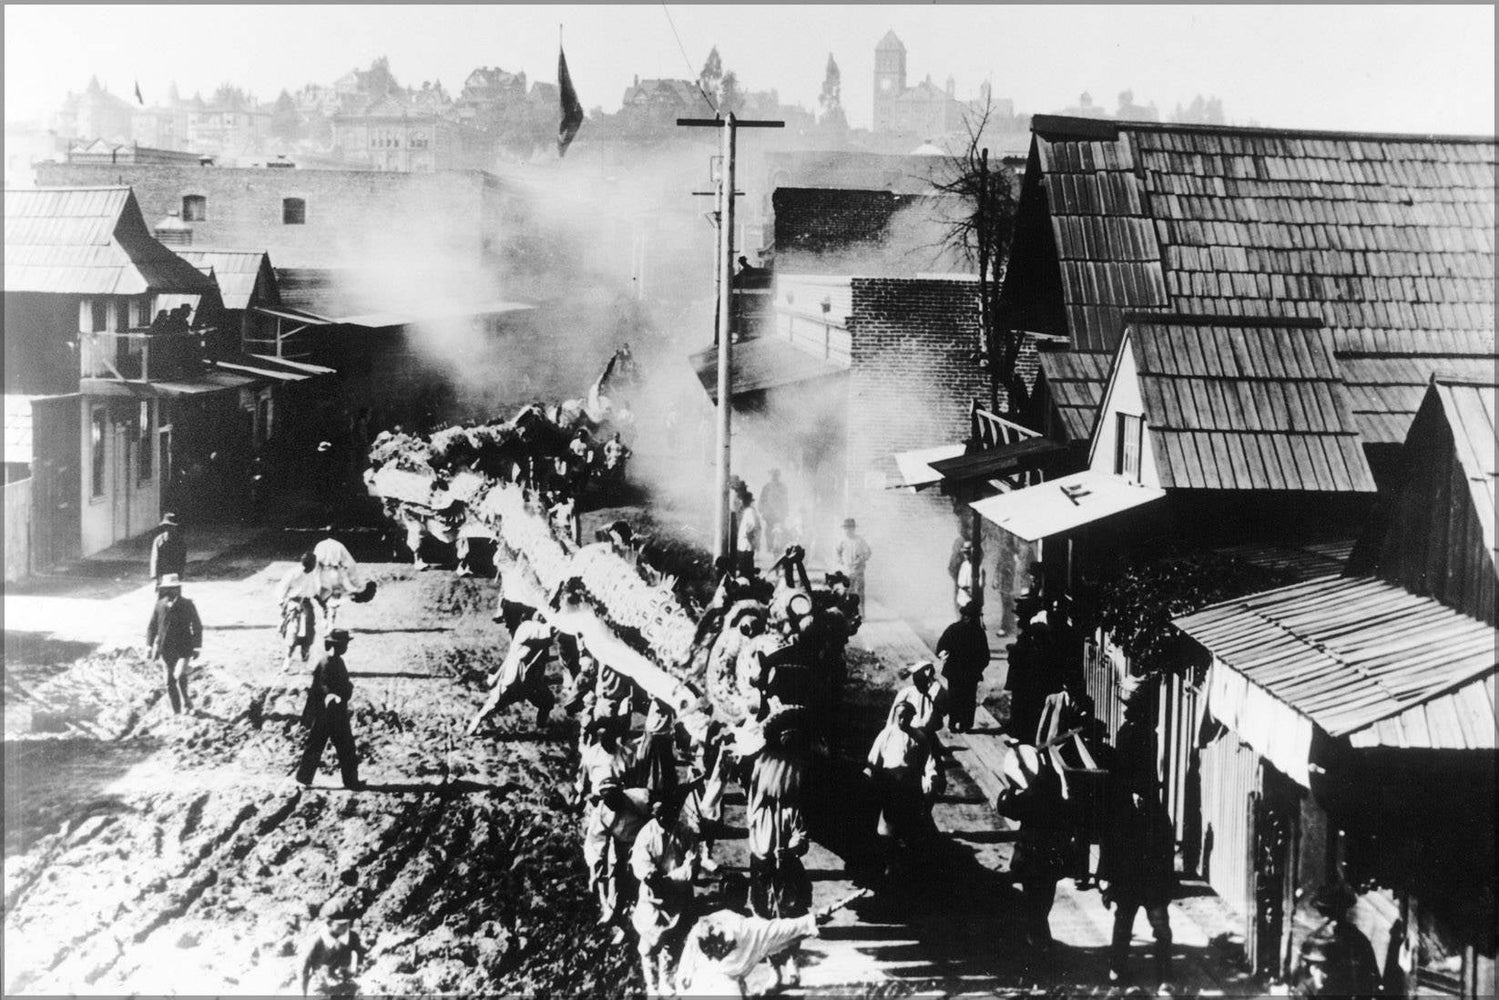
(1137, 862)
(327, 712)
(168, 549)
(964, 652)
(174, 635)
(1029, 678)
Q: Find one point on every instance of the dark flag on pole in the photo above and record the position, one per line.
(138, 96)
(572, 111)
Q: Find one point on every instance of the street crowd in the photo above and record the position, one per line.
(652, 778)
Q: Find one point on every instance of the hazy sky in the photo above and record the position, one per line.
(1385, 68)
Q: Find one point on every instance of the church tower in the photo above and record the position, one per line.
(889, 80)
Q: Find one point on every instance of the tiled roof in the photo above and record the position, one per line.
(1233, 405)
(1357, 656)
(236, 272)
(88, 241)
(1075, 380)
(1389, 240)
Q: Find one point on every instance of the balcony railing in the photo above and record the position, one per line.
(139, 356)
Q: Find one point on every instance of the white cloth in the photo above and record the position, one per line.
(337, 570)
(893, 748)
(754, 939)
(297, 584)
(527, 649)
(749, 529)
(853, 553)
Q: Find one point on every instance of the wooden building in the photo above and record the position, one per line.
(128, 418)
(1358, 714)
(1387, 239)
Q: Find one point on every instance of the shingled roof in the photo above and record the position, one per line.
(1239, 405)
(1388, 239)
(88, 241)
(1074, 381)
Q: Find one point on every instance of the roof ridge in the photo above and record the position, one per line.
(1092, 128)
(1145, 318)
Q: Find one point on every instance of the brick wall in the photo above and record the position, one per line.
(353, 216)
(841, 231)
(912, 383)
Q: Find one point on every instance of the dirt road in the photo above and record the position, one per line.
(161, 854)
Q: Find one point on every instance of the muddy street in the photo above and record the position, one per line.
(147, 852)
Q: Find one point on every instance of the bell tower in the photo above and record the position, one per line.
(889, 80)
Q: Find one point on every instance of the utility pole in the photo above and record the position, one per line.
(723, 543)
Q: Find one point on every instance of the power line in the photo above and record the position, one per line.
(687, 59)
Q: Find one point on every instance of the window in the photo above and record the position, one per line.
(101, 315)
(293, 212)
(419, 140)
(85, 315)
(264, 414)
(1131, 431)
(97, 425)
(143, 442)
(194, 208)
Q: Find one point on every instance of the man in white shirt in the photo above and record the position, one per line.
(724, 947)
(338, 575)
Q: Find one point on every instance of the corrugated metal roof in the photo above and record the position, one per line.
(236, 271)
(1388, 239)
(762, 363)
(1238, 406)
(88, 241)
(1349, 653)
(1470, 414)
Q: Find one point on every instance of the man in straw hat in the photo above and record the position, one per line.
(327, 711)
(174, 635)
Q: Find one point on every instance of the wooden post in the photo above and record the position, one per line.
(722, 522)
(723, 544)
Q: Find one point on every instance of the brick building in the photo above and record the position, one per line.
(835, 231)
(317, 219)
(923, 111)
(394, 135)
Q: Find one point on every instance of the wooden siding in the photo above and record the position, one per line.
(17, 529)
(1440, 540)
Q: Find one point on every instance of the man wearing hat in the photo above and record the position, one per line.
(174, 635)
(1336, 959)
(327, 711)
(168, 549)
(853, 555)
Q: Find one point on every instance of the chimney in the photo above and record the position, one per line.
(172, 231)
